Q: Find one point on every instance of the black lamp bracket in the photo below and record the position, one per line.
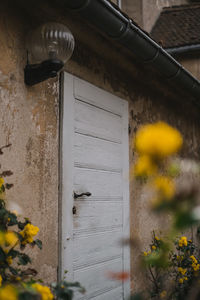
(35, 73)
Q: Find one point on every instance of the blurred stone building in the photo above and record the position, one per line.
(174, 24)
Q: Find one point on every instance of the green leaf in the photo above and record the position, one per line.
(2, 188)
(2, 255)
(13, 219)
(21, 225)
(13, 271)
(24, 259)
(184, 220)
(3, 212)
(9, 186)
(38, 243)
(28, 296)
(65, 290)
(13, 253)
(2, 203)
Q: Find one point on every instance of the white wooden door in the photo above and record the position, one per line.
(95, 160)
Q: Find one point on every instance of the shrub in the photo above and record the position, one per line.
(17, 279)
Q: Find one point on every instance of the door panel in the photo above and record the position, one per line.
(92, 216)
(95, 160)
(102, 184)
(114, 294)
(106, 248)
(95, 278)
(97, 97)
(98, 154)
(93, 121)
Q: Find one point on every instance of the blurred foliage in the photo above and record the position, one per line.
(173, 186)
(172, 276)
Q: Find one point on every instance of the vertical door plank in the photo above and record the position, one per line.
(126, 204)
(67, 184)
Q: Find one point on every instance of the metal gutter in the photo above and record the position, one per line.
(117, 26)
(183, 49)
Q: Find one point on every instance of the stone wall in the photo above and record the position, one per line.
(145, 12)
(152, 9)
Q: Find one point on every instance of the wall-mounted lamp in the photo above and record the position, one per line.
(50, 45)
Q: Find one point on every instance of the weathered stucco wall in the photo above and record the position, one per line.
(192, 64)
(133, 8)
(29, 119)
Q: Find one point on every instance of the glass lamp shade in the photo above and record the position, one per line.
(51, 41)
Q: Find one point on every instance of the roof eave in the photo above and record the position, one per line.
(117, 26)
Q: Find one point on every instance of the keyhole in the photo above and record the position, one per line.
(74, 210)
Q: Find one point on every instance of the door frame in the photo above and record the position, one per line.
(66, 165)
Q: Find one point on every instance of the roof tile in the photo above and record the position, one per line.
(178, 26)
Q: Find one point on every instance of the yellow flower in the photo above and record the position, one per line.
(193, 259)
(1, 181)
(44, 291)
(181, 280)
(185, 278)
(9, 260)
(146, 253)
(156, 238)
(1, 279)
(144, 166)
(195, 267)
(165, 187)
(153, 247)
(11, 239)
(163, 294)
(8, 292)
(28, 233)
(182, 271)
(183, 241)
(18, 278)
(159, 140)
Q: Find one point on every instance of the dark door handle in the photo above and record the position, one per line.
(80, 195)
